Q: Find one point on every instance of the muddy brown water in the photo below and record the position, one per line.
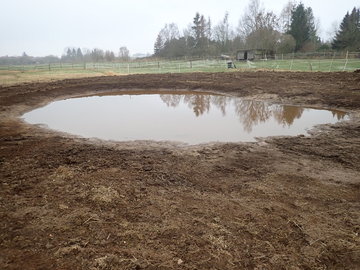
(190, 117)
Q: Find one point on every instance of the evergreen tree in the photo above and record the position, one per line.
(73, 54)
(199, 33)
(159, 45)
(68, 53)
(79, 55)
(302, 27)
(197, 26)
(348, 36)
(310, 21)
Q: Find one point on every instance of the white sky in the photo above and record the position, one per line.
(43, 27)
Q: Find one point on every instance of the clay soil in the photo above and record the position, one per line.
(279, 203)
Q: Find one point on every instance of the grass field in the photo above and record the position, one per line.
(35, 73)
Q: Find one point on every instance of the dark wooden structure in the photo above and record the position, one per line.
(253, 54)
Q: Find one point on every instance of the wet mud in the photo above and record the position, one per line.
(278, 203)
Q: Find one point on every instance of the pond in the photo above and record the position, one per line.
(190, 117)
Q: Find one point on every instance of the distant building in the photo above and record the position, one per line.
(253, 54)
(225, 57)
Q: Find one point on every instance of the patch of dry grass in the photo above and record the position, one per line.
(10, 77)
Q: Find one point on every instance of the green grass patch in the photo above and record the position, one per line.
(33, 73)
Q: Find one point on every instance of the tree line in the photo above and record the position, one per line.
(70, 55)
(294, 30)
(95, 55)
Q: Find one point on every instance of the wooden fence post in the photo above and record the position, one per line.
(347, 59)
(292, 61)
(332, 61)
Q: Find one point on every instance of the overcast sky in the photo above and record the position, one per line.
(43, 27)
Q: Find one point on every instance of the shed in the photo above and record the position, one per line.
(253, 54)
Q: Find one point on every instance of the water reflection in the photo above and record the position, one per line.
(250, 112)
(184, 116)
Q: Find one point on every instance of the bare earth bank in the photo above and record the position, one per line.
(279, 203)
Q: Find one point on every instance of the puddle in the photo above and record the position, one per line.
(185, 117)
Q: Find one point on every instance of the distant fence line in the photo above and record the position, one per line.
(325, 62)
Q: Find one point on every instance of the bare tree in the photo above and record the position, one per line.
(266, 34)
(173, 31)
(249, 22)
(332, 30)
(285, 16)
(86, 54)
(97, 55)
(169, 32)
(259, 28)
(286, 44)
(109, 56)
(208, 29)
(222, 33)
(124, 54)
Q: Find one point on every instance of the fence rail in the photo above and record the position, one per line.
(311, 62)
